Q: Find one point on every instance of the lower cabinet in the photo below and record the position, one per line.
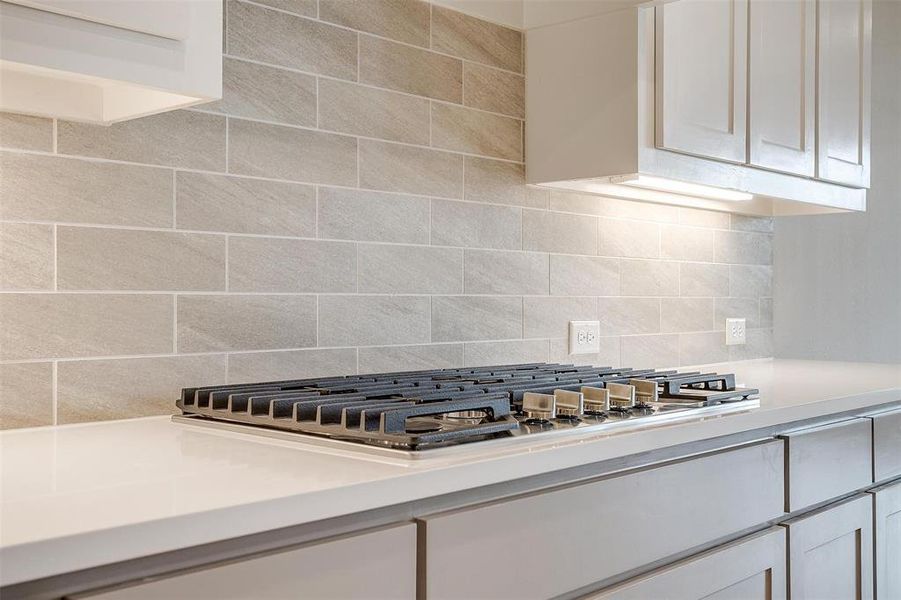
(375, 565)
(887, 509)
(752, 568)
(831, 552)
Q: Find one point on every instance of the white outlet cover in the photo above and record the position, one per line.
(584, 337)
(736, 334)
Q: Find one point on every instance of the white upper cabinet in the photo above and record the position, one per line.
(782, 78)
(100, 61)
(702, 64)
(843, 65)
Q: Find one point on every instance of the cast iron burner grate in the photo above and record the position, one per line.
(415, 410)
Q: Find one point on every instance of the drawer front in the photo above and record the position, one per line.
(827, 461)
(554, 542)
(752, 568)
(379, 564)
(886, 445)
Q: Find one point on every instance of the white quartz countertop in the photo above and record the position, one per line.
(78, 496)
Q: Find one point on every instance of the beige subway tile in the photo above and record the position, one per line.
(750, 281)
(401, 20)
(558, 232)
(749, 223)
(766, 313)
(182, 138)
(469, 318)
(467, 130)
(494, 90)
(650, 351)
(737, 308)
(306, 8)
(76, 325)
(591, 204)
(607, 356)
(389, 269)
(373, 320)
(686, 314)
(278, 365)
(370, 112)
(210, 323)
(580, 275)
(54, 188)
(475, 39)
(702, 348)
(476, 225)
(279, 265)
(25, 132)
(629, 316)
(99, 390)
(383, 359)
(703, 279)
(737, 247)
(259, 92)
(406, 69)
(538, 197)
(408, 169)
(504, 353)
(498, 182)
(26, 256)
(265, 150)
(650, 278)
(759, 345)
(206, 202)
(549, 317)
(505, 272)
(636, 239)
(703, 218)
(27, 393)
(686, 243)
(295, 42)
(373, 216)
(90, 258)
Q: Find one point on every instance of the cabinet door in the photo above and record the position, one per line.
(831, 552)
(887, 505)
(782, 85)
(701, 78)
(843, 95)
(379, 564)
(752, 568)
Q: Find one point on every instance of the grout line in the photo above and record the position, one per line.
(55, 257)
(174, 199)
(227, 269)
(174, 323)
(227, 129)
(55, 136)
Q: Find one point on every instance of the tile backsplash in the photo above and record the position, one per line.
(354, 203)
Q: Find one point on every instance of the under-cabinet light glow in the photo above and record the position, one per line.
(687, 189)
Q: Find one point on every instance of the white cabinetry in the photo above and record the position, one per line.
(376, 565)
(831, 552)
(887, 509)
(782, 79)
(702, 77)
(844, 91)
(101, 61)
(753, 568)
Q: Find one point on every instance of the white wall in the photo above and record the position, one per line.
(838, 277)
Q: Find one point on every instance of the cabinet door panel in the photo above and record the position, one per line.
(752, 568)
(843, 68)
(886, 445)
(831, 552)
(887, 505)
(702, 63)
(782, 85)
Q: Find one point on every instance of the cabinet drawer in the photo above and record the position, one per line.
(752, 568)
(562, 540)
(886, 444)
(827, 461)
(378, 564)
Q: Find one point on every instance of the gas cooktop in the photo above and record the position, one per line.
(421, 410)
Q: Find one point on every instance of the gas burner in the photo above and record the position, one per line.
(418, 410)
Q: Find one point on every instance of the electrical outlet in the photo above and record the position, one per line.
(735, 332)
(584, 337)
